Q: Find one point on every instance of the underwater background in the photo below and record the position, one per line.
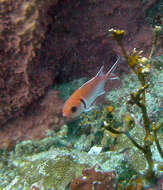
(48, 49)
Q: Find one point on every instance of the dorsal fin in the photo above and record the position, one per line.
(112, 69)
(100, 72)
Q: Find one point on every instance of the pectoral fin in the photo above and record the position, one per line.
(86, 106)
(84, 102)
(90, 108)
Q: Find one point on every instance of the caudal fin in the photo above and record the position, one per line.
(109, 74)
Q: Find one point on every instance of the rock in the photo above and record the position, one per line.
(93, 179)
(23, 79)
(34, 125)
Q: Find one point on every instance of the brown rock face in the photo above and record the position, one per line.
(42, 116)
(22, 78)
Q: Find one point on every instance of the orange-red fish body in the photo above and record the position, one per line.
(83, 97)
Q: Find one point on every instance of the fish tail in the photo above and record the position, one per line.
(109, 74)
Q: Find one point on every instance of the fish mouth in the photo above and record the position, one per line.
(68, 118)
(64, 115)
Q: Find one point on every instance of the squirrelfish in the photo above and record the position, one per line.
(82, 99)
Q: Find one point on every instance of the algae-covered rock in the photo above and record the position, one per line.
(53, 169)
(47, 170)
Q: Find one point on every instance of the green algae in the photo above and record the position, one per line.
(30, 147)
(125, 171)
(153, 14)
(46, 169)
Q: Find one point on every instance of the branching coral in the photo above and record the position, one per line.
(141, 67)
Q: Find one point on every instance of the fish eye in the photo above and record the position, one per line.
(74, 109)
